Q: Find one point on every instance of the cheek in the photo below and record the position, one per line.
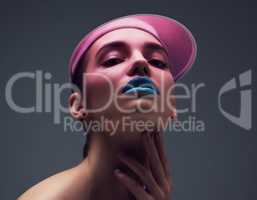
(166, 84)
(169, 85)
(164, 80)
(100, 88)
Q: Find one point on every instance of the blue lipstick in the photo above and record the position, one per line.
(140, 85)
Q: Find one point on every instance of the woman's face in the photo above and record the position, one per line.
(115, 59)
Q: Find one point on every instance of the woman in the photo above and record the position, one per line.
(132, 63)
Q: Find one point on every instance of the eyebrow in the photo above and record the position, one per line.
(155, 46)
(114, 44)
(122, 44)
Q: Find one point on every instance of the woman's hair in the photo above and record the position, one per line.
(77, 79)
(86, 145)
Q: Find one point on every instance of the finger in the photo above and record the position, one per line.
(144, 175)
(134, 187)
(154, 159)
(159, 142)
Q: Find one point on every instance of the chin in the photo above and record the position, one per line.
(142, 104)
(143, 110)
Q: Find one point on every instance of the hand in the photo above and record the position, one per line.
(155, 179)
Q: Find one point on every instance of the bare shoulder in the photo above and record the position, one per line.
(48, 189)
(64, 185)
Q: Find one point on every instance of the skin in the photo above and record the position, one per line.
(117, 166)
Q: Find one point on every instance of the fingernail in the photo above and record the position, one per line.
(148, 136)
(118, 172)
(120, 156)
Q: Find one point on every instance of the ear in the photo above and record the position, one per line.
(173, 113)
(76, 107)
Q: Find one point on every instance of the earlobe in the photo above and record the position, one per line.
(76, 107)
(173, 113)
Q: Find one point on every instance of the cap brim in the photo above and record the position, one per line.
(175, 37)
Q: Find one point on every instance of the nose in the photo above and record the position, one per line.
(140, 66)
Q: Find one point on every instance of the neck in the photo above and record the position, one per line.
(102, 160)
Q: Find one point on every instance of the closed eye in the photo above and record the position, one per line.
(112, 61)
(158, 63)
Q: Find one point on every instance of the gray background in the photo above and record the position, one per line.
(219, 163)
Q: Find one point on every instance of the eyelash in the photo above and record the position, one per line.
(158, 63)
(114, 61)
(108, 63)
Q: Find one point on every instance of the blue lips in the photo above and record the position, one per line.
(140, 85)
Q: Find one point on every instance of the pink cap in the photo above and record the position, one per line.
(175, 37)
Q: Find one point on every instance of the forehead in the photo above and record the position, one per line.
(131, 36)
